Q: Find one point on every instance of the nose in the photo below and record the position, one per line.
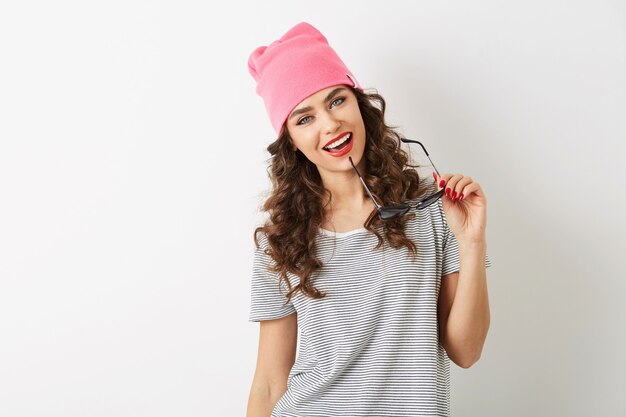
(330, 123)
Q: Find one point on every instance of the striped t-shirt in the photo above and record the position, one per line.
(371, 347)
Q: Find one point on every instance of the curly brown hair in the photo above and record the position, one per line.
(295, 204)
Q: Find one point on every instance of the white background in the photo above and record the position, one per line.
(132, 168)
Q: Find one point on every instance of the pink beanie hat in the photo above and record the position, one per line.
(294, 67)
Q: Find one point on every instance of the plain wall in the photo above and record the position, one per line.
(133, 166)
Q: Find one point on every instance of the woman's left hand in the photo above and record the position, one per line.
(466, 216)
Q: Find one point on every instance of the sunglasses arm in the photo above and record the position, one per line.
(370, 194)
(405, 140)
(378, 207)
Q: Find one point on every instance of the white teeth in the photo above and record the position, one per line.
(339, 142)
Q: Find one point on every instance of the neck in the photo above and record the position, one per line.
(348, 194)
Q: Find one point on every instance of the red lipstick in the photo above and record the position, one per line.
(344, 151)
(336, 139)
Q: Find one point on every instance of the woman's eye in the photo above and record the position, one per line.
(334, 103)
(304, 118)
(340, 98)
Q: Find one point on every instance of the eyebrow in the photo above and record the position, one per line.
(309, 108)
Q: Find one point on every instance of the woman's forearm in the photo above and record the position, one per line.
(262, 400)
(468, 321)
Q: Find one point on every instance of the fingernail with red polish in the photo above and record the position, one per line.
(453, 195)
(442, 183)
(448, 192)
(461, 198)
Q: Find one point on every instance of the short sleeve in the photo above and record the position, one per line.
(451, 260)
(268, 298)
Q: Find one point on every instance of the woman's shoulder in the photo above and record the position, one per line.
(260, 237)
(427, 187)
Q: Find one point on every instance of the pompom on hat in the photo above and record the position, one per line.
(294, 67)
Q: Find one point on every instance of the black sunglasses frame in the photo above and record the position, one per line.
(391, 212)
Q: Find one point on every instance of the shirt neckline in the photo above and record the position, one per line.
(341, 234)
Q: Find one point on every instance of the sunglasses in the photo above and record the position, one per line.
(392, 212)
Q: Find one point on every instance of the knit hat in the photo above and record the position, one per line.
(294, 67)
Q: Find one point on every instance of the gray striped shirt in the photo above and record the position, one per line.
(371, 347)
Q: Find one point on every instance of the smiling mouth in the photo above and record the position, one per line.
(333, 148)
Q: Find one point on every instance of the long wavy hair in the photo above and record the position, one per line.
(295, 204)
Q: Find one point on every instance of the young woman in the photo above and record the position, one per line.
(381, 274)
